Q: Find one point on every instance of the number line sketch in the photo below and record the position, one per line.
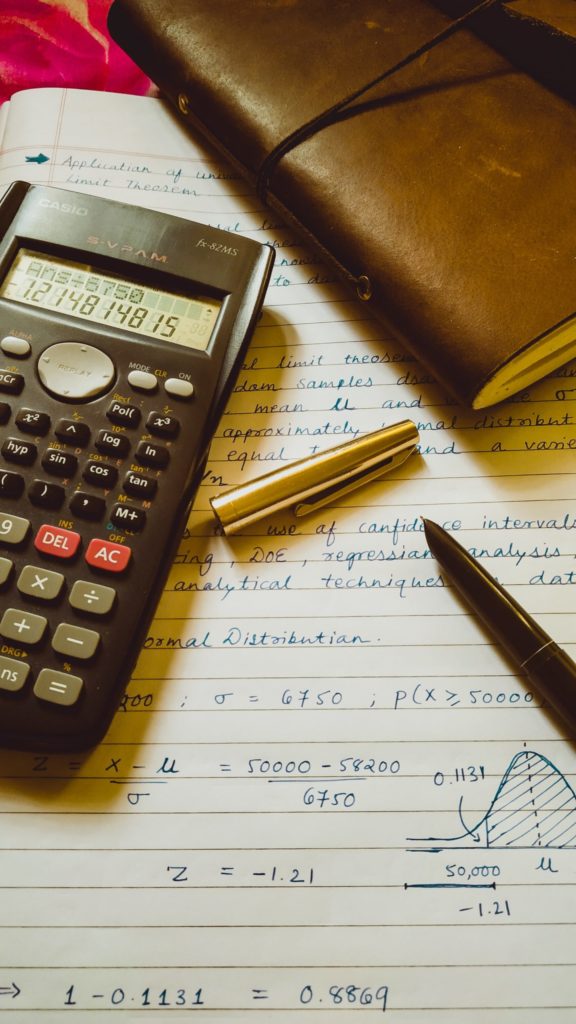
(534, 806)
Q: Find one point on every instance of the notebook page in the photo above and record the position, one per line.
(327, 794)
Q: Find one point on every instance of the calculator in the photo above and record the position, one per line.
(121, 334)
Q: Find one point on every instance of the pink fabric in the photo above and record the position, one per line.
(62, 43)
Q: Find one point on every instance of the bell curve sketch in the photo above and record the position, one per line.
(534, 807)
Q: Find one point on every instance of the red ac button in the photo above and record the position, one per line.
(102, 554)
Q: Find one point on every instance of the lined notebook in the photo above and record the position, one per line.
(327, 795)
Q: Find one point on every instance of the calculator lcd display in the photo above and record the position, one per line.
(83, 291)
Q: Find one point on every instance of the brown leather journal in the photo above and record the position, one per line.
(445, 194)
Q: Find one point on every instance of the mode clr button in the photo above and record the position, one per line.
(54, 540)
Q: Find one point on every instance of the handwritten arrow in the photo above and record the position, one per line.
(10, 990)
(40, 159)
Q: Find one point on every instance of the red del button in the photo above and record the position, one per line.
(53, 540)
(102, 554)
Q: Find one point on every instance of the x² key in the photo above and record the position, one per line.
(54, 540)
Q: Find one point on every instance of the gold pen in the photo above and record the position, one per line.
(309, 483)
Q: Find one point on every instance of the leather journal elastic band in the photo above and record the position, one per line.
(341, 109)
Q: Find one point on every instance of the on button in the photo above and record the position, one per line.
(179, 388)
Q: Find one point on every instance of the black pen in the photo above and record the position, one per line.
(546, 665)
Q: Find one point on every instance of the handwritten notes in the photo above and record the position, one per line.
(327, 795)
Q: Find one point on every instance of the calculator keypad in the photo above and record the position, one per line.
(24, 630)
(87, 482)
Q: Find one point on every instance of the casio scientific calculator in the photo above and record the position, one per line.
(121, 331)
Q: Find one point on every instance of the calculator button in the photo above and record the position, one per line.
(152, 455)
(74, 641)
(103, 554)
(113, 444)
(75, 371)
(99, 474)
(11, 382)
(129, 415)
(87, 506)
(11, 485)
(56, 541)
(132, 519)
(59, 463)
(41, 583)
(5, 411)
(13, 346)
(31, 422)
(162, 426)
(140, 486)
(46, 495)
(13, 529)
(92, 597)
(179, 388)
(15, 449)
(142, 381)
(58, 687)
(22, 626)
(13, 674)
(6, 567)
(72, 432)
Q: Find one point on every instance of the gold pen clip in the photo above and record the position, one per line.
(312, 482)
(352, 481)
